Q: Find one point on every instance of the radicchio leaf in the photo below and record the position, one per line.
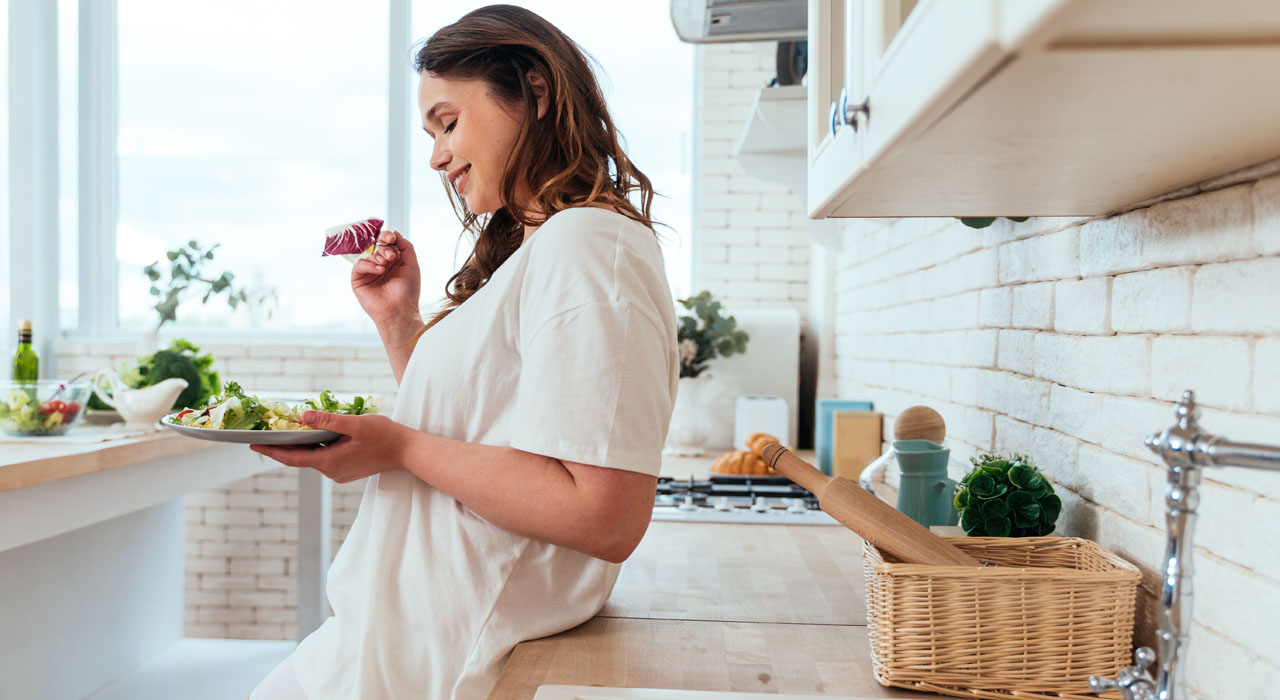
(353, 240)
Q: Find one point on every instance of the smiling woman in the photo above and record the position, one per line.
(517, 469)
(647, 77)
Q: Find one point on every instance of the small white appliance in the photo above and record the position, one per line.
(760, 413)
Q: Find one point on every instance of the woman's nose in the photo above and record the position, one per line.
(439, 157)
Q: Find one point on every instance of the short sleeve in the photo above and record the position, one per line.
(597, 386)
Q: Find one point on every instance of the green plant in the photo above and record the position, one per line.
(186, 270)
(1006, 496)
(985, 221)
(705, 335)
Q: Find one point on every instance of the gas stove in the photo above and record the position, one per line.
(727, 498)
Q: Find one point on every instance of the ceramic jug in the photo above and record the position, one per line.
(925, 493)
(140, 408)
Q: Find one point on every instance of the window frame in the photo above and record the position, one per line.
(35, 259)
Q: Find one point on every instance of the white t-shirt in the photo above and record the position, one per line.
(568, 351)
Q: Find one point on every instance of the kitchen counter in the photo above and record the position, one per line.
(24, 464)
(92, 549)
(698, 655)
(717, 606)
(729, 572)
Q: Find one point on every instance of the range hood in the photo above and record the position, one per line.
(712, 21)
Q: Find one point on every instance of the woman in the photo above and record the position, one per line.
(518, 468)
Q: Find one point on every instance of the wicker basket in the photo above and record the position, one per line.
(1055, 611)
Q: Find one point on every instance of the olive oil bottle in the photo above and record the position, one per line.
(26, 364)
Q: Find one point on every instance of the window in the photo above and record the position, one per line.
(6, 332)
(68, 164)
(648, 85)
(255, 126)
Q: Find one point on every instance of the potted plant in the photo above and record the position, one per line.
(1006, 497)
(704, 334)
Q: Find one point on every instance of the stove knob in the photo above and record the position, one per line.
(688, 503)
(760, 506)
(724, 504)
(796, 505)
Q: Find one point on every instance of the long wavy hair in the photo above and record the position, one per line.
(569, 158)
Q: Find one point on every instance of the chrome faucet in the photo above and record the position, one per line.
(1185, 450)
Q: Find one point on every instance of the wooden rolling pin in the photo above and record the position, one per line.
(874, 520)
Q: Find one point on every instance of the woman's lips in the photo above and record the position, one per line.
(462, 179)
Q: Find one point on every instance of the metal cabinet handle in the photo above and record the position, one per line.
(844, 114)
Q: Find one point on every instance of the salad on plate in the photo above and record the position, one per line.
(235, 410)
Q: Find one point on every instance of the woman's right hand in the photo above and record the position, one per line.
(388, 283)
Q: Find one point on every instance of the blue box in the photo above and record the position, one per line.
(824, 422)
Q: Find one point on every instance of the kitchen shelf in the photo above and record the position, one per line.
(1042, 107)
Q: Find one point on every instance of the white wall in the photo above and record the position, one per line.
(1068, 339)
(1071, 340)
(751, 249)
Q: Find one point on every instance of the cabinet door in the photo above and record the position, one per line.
(834, 155)
(920, 59)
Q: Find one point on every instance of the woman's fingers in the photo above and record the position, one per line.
(367, 267)
(398, 246)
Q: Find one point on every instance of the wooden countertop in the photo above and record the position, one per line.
(807, 574)
(720, 606)
(25, 464)
(695, 655)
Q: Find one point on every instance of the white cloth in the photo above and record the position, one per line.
(568, 351)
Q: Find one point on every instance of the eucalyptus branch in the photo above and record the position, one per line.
(186, 269)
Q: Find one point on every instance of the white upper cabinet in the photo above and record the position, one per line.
(1033, 107)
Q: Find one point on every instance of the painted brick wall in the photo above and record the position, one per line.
(751, 249)
(1071, 340)
(242, 539)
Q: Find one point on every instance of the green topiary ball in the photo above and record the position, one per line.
(1006, 497)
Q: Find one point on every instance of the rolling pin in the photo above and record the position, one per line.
(871, 518)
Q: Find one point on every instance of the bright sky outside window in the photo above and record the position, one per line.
(68, 164)
(4, 188)
(255, 126)
(648, 83)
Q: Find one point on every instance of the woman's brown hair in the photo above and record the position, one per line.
(571, 157)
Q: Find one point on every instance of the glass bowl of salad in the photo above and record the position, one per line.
(46, 407)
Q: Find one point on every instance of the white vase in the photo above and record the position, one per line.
(689, 428)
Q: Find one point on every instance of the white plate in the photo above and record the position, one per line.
(251, 437)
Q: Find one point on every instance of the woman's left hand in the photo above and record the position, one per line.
(369, 445)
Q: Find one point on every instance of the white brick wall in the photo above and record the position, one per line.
(1099, 325)
(752, 249)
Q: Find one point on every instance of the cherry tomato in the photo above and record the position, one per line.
(71, 409)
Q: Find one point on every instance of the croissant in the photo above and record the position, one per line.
(741, 462)
(756, 442)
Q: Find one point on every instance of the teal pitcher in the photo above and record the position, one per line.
(925, 493)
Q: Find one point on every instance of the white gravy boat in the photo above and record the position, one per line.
(140, 408)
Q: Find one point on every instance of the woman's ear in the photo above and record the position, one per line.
(540, 91)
